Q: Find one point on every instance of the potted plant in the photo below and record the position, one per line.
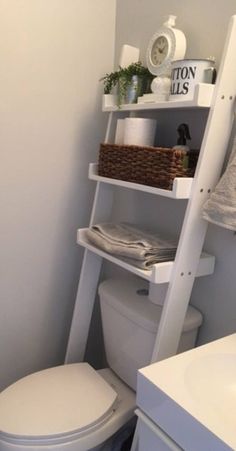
(131, 82)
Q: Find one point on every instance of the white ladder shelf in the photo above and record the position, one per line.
(189, 261)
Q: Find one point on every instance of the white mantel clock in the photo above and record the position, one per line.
(166, 45)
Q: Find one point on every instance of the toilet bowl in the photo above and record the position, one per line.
(76, 408)
(43, 411)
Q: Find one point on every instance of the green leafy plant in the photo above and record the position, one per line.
(123, 78)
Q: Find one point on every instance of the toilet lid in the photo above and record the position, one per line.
(56, 401)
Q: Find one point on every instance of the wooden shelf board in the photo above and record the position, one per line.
(159, 273)
(202, 99)
(181, 187)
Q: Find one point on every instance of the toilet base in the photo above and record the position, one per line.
(114, 443)
(96, 440)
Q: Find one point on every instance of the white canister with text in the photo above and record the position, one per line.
(186, 74)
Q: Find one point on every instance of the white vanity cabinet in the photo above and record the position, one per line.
(151, 437)
(188, 402)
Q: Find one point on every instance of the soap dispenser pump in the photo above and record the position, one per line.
(184, 135)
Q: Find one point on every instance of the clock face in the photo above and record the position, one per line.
(159, 50)
(166, 45)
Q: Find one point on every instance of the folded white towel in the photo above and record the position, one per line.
(220, 208)
(139, 247)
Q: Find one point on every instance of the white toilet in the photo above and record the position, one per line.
(75, 408)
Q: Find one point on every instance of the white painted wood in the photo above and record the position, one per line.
(83, 307)
(208, 171)
(202, 99)
(188, 262)
(159, 273)
(89, 276)
(181, 186)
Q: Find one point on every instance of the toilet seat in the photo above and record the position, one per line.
(55, 404)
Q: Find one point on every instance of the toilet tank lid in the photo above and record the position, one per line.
(56, 402)
(125, 296)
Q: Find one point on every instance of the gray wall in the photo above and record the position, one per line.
(205, 25)
(52, 54)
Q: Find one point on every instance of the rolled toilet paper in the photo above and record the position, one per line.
(139, 131)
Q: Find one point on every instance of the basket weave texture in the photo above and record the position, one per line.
(154, 166)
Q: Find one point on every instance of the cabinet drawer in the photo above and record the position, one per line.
(151, 437)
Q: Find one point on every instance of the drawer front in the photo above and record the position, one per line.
(151, 437)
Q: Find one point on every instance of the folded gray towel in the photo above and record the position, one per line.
(220, 208)
(139, 247)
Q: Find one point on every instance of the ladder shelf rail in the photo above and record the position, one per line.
(185, 266)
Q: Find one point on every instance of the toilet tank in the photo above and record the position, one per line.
(130, 321)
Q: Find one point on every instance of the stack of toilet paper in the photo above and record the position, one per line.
(135, 131)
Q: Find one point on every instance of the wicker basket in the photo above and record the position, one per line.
(154, 166)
